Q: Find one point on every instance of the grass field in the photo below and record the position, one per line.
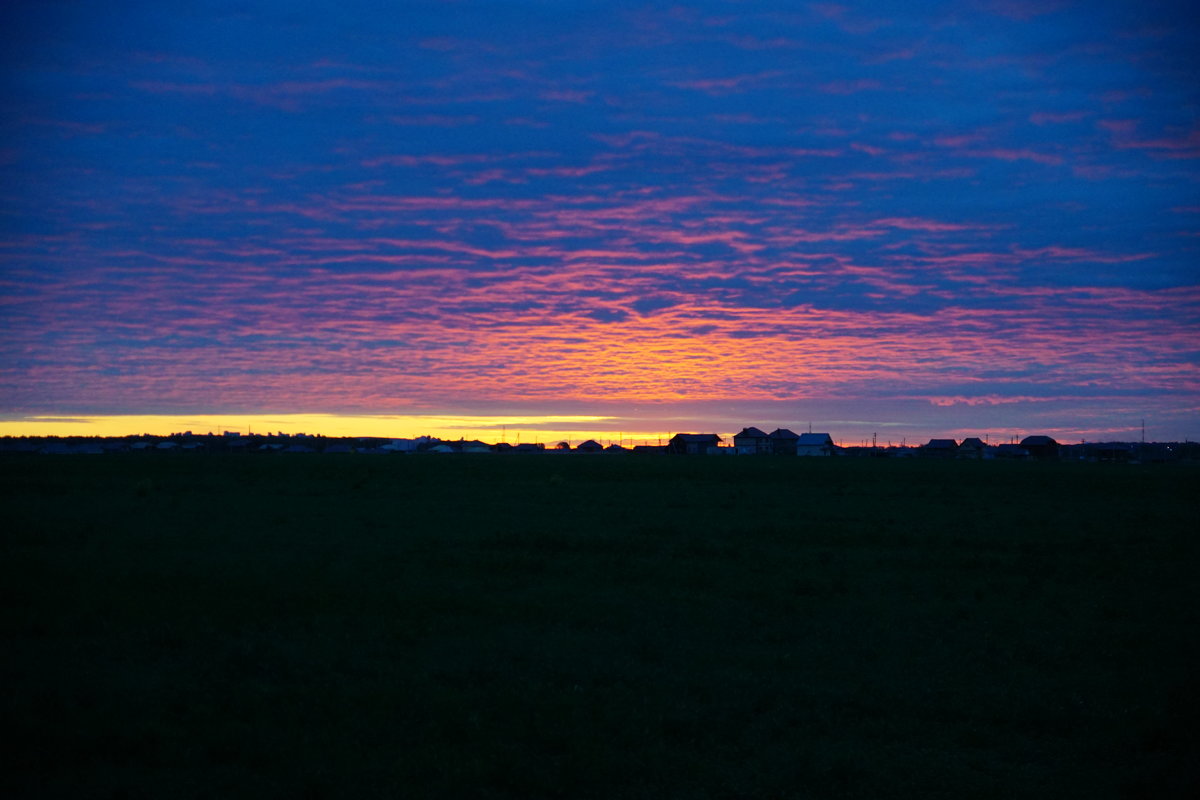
(597, 626)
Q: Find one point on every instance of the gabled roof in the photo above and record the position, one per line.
(783, 433)
(942, 444)
(973, 442)
(815, 440)
(752, 433)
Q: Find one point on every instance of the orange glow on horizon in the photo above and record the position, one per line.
(511, 429)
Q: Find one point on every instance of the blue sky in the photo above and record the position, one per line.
(935, 219)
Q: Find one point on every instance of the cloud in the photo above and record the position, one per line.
(677, 207)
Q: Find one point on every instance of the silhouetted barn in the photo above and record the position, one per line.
(1042, 447)
(940, 448)
(751, 441)
(783, 442)
(814, 444)
(972, 447)
(692, 443)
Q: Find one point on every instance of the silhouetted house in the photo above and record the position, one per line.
(940, 448)
(783, 442)
(590, 446)
(1014, 451)
(692, 444)
(530, 447)
(643, 449)
(615, 448)
(814, 444)
(1042, 447)
(751, 441)
(972, 447)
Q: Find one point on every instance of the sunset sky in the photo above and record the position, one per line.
(910, 219)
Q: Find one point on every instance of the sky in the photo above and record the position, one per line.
(609, 219)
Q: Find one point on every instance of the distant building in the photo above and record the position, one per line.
(751, 441)
(940, 448)
(692, 443)
(590, 446)
(815, 444)
(972, 447)
(783, 442)
(1040, 447)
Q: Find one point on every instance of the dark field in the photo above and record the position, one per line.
(597, 626)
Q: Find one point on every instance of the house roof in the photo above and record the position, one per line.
(783, 433)
(973, 441)
(696, 437)
(752, 433)
(815, 440)
(941, 444)
(1037, 441)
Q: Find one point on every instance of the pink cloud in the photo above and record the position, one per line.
(850, 87)
(1053, 118)
(434, 120)
(726, 85)
(986, 400)
(917, 224)
(1024, 154)
(566, 95)
(959, 140)
(867, 148)
(1177, 144)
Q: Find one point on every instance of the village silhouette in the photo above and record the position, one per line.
(750, 441)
